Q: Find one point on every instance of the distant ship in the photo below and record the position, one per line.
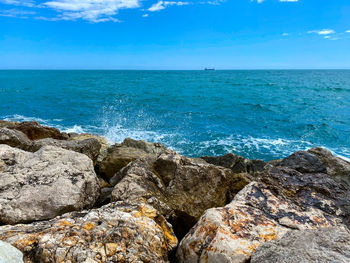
(209, 69)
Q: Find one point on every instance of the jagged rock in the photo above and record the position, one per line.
(120, 155)
(90, 147)
(336, 167)
(308, 246)
(180, 188)
(118, 232)
(10, 254)
(35, 131)
(44, 184)
(304, 162)
(104, 144)
(236, 163)
(14, 138)
(282, 199)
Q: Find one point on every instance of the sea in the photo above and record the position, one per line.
(261, 114)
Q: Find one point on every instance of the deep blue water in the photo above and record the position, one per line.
(257, 114)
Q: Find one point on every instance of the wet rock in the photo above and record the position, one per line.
(14, 138)
(35, 131)
(281, 200)
(90, 147)
(44, 184)
(336, 167)
(313, 245)
(304, 162)
(236, 163)
(120, 155)
(180, 188)
(10, 254)
(118, 232)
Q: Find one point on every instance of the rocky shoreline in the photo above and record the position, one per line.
(74, 198)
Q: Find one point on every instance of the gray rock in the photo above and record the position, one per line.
(118, 232)
(180, 188)
(10, 254)
(44, 184)
(304, 162)
(236, 163)
(14, 138)
(120, 155)
(280, 200)
(324, 245)
(336, 167)
(90, 147)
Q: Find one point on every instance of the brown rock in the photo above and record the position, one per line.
(180, 188)
(35, 131)
(281, 200)
(118, 232)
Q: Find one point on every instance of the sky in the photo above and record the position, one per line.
(187, 34)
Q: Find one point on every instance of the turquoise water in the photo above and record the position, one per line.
(257, 114)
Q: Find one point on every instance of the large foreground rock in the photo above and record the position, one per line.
(118, 232)
(322, 245)
(236, 163)
(10, 254)
(281, 200)
(90, 147)
(120, 155)
(180, 188)
(44, 184)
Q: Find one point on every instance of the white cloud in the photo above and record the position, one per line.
(347, 31)
(160, 5)
(90, 10)
(145, 15)
(16, 13)
(322, 32)
(260, 1)
(285, 34)
(28, 3)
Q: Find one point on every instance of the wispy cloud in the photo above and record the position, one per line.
(285, 34)
(90, 10)
(322, 32)
(16, 13)
(28, 3)
(260, 1)
(160, 5)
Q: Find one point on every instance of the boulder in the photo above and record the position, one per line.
(90, 147)
(118, 232)
(104, 144)
(120, 155)
(282, 199)
(44, 184)
(10, 254)
(336, 167)
(14, 138)
(304, 162)
(236, 163)
(321, 245)
(180, 188)
(35, 131)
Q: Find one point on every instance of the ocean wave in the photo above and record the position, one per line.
(74, 129)
(21, 118)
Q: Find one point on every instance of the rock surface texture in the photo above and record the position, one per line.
(336, 167)
(180, 188)
(321, 245)
(10, 254)
(44, 184)
(90, 147)
(236, 163)
(282, 199)
(14, 138)
(118, 232)
(120, 155)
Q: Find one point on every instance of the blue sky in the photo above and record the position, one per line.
(188, 34)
